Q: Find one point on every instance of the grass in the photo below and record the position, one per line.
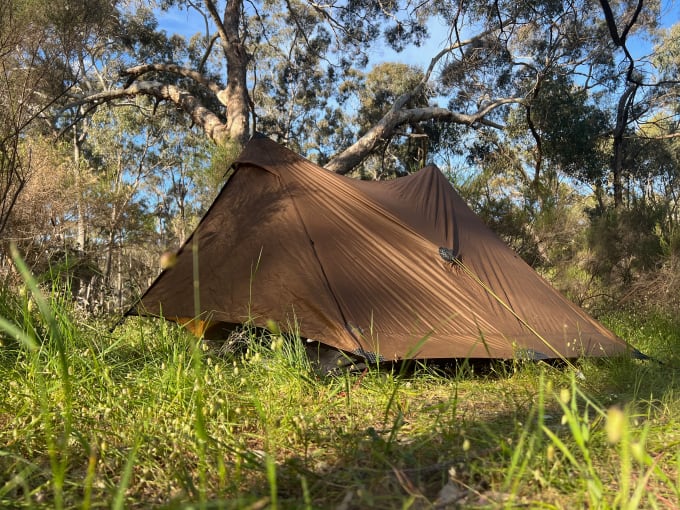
(147, 417)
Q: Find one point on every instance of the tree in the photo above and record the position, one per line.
(527, 98)
(37, 38)
(20, 81)
(561, 132)
(247, 55)
(623, 20)
(376, 92)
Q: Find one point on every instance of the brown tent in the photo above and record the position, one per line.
(394, 269)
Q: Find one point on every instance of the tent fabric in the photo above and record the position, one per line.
(391, 269)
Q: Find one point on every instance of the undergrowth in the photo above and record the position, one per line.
(147, 416)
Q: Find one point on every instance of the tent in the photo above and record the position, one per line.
(386, 270)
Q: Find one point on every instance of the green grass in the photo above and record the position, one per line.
(147, 417)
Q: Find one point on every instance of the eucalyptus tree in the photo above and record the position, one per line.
(587, 94)
(648, 82)
(291, 68)
(38, 39)
(146, 181)
(381, 86)
(524, 93)
(51, 52)
(660, 135)
(539, 74)
(281, 66)
(29, 84)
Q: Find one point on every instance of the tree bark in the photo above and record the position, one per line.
(626, 101)
(619, 142)
(235, 96)
(385, 128)
(81, 230)
(211, 124)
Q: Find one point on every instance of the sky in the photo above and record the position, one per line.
(188, 23)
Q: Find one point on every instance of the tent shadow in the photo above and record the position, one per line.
(366, 467)
(370, 470)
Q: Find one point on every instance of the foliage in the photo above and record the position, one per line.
(379, 89)
(625, 241)
(572, 145)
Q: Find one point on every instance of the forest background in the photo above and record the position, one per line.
(556, 120)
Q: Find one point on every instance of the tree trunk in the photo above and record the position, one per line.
(119, 283)
(619, 141)
(110, 245)
(81, 231)
(235, 96)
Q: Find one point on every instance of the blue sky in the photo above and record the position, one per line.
(189, 22)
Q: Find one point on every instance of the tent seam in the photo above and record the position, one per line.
(318, 259)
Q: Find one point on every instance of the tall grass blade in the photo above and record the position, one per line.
(19, 335)
(270, 466)
(126, 476)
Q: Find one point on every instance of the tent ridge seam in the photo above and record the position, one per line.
(318, 259)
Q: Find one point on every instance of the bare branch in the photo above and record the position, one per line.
(383, 130)
(630, 24)
(211, 124)
(207, 52)
(134, 72)
(397, 116)
(224, 36)
(210, 39)
(611, 22)
(401, 101)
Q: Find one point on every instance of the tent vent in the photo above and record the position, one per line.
(371, 357)
(448, 255)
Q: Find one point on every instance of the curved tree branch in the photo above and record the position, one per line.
(212, 125)
(611, 22)
(633, 20)
(356, 153)
(620, 40)
(398, 116)
(210, 39)
(405, 98)
(208, 50)
(136, 71)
